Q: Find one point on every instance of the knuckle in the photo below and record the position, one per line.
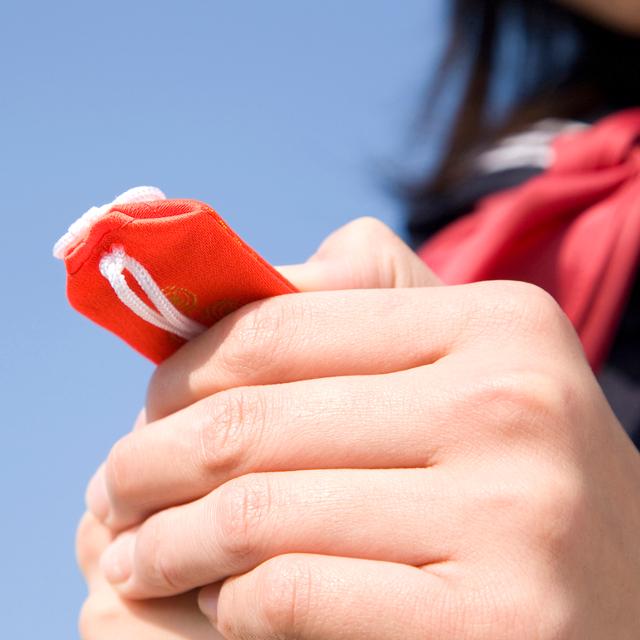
(120, 470)
(521, 397)
(542, 503)
(517, 307)
(393, 265)
(545, 316)
(526, 608)
(523, 402)
(558, 512)
(234, 419)
(258, 333)
(243, 506)
(284, 596)
(97, 617)
(368, 227)
(87, 547)
(153, 560)
(542, 313)
(511, 612)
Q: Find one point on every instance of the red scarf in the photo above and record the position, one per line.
(573, 230)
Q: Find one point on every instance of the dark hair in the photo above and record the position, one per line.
(558, 64)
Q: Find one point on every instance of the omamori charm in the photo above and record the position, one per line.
(158, 272)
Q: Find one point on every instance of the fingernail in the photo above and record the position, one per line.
(96, 497)
(117, 560)
(208, 602)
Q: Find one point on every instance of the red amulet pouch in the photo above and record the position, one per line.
(158, 272)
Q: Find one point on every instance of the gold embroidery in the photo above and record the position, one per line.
(220, 308)
(181, 298)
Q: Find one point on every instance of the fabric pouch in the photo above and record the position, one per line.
(158, 272)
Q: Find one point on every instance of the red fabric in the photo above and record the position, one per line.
(202, 266)
(574, 230)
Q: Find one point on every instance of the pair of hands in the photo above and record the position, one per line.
(378, 457)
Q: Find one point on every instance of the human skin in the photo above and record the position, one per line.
(405, 461)
(623, 15)
(106, 615)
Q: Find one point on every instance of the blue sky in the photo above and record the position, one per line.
(283, 115)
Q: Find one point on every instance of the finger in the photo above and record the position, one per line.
(364, 254)
(141, 420)
(92, 538)
(314, 597)
(362, 513)
(322, 334)
(106, 616)
(191, 452)
(270, 324)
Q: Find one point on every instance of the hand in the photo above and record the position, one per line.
(106, 616)
(430, 462)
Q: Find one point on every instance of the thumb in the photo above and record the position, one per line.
(363, 254)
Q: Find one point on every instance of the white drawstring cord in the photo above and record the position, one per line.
(81, 226)
(116, 262)
(167, 317)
